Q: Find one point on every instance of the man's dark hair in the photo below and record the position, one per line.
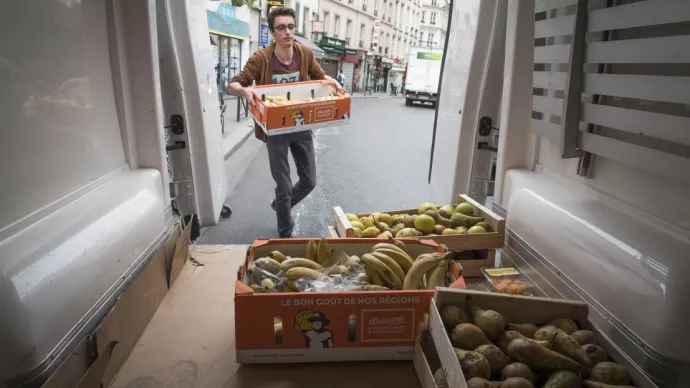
(280, 12)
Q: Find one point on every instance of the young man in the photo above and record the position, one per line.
(283, 61)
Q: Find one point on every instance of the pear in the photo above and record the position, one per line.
(446, 211)
(490, 321)
(438, 218)
(473, 364)
(464, 208)
(459, 219)
(426, 206)
(408, 220)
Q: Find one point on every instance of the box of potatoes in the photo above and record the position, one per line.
(300, 300)
(486, 340)
(463, 226)
(299, 106)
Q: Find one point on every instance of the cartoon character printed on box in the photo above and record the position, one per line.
(313, 326)
(298, 117)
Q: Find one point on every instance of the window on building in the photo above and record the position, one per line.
(431, 39)
(336, 26)
(348, 31)
(305, 16)
(432, 18)
(325, 23)
(361, 36)
(434, 3)
(297, 23)
(227, 52)
(423, 16)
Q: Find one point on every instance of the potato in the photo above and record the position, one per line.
(497, 359)
(468, 337)
(517, 369)
(610, 373)
(596, 353)
(584, 337)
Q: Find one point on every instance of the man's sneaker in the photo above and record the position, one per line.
(273, 204)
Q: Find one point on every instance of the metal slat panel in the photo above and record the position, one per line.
(545, 5)
(657, 162)
(545, 129)
(547, 80)
(646, 87)
(644, 13)
(550, 105)
(559, 53)
(671, 49)
(657, 125)
(554, 27)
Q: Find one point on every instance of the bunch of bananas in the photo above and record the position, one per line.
(389, 265)
(278, 100)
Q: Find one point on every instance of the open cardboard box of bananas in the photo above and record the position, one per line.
(429, 221)
(361, 299)
(477, 339)
(299, 106)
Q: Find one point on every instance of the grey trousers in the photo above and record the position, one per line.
(301, 145)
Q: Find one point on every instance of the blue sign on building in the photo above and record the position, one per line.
(263, 41)
(225, 12)
(224, 22)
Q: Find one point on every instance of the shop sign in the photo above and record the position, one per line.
(429, 56)
(397, 60)
(263, 38)
(270, 4)
(317, 26)
(226, 12)
(337, 43)
(375, 38)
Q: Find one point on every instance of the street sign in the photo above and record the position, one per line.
(263, 37)
(375, 38)
(270, 4)
(317, 26)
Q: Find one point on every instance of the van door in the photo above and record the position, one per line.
(192, 108)
(462, 156)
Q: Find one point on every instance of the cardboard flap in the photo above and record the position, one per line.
(181, 253)
(94, 376)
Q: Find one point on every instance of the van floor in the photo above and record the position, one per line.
(190, 341)
(378, 162)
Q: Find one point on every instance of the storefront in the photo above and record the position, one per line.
(229, 36)
(335, 50)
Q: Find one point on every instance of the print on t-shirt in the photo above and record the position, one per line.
(285, 78)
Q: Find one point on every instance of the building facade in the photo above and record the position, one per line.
(433, 23)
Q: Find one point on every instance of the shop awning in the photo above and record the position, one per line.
(318, 52)
(226, 25)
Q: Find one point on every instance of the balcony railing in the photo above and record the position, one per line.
(335, 36)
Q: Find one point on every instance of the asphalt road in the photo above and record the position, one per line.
(379, 162)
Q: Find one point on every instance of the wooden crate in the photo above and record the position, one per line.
(521, 309)
(461, 242)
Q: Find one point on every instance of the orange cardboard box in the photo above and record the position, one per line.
(301, 115)
(329, 326)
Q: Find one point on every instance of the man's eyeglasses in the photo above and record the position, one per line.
(283, 27)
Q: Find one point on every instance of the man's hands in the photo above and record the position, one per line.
(249, 94)
(334, 83)
(237, 90)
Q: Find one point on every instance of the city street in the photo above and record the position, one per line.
(378, 162)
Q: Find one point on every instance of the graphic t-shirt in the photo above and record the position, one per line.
(283, 73)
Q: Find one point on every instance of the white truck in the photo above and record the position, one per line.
(422, 75)
(593, 163)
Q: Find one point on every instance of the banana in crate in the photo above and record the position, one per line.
(388, 266)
